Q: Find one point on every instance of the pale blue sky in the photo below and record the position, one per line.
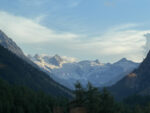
(90, 15)
(86, 29)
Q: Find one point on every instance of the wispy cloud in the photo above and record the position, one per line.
(147, 44)
(34, 2)
(125, 43)
(67, 3)
(29, 31)
(41, 18)
(115, 43)
(108, 3)
(73, 4)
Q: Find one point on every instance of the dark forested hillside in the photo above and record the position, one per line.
(17, 71)
(137, 82)
(15, 99)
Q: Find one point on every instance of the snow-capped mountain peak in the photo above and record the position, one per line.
(97, 61)
(50, 62)
(56, 60)
(123, 60)
(67, 70)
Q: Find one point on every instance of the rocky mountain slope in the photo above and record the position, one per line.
(137, 82)
(16, 70)
(8, 43)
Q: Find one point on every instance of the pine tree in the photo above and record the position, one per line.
(92, 99)
(79, 94)
(107, 103)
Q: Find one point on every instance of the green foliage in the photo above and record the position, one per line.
(103, 102)
(79, 94)
(92, 99)
(95, 101)
(14, 99)
(137, 100)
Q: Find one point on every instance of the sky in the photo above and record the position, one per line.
(107, 30)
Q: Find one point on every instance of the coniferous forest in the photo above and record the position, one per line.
(15, 99)
(20, 98)
(74, 56)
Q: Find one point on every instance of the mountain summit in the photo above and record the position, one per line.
(19, 72)
(137, 82)
(17, 69)
(56, 60)
(99, 74)
(8, 43)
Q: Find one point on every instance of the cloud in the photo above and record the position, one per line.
(40, 18)
(34, 2)
(73, 4)
(119, 44)
(28, 31)
(58, 4)
(115, 43)
(147, 44)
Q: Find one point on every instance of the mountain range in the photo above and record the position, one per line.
(18, 71)
(51, 73)
(68, 71)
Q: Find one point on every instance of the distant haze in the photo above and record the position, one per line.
(107, 30)
(147, 45)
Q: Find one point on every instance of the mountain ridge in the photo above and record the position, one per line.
(97, 73)
(8, 43)
(137, 82)
(17, 69)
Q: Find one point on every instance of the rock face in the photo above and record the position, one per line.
(137, 82)
(56, 60)
(67, 72)
(16, 68)
(8, 43)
